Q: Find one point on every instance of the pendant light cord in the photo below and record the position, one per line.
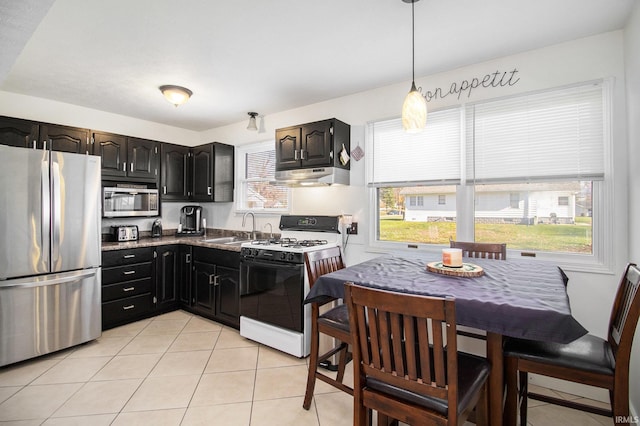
(413, 42)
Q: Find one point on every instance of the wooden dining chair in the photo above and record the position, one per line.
(334, 323)
(496, 251)
(589, 360)
(403, 367)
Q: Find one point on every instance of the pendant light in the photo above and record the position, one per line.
(414, 108)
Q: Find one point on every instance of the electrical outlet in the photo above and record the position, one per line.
(353, 229)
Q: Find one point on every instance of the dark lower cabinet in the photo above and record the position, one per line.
(128, 285)
(185, 276)
(142, 282)
(168, 270)
(216, 285)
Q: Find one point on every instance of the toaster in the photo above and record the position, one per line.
(124, 232)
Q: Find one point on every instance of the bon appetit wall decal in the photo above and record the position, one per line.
(495, 79)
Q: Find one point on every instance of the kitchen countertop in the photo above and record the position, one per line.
(170, 238)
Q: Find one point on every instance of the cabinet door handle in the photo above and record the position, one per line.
(131, 166)
(164, 190)
(128, 289)
(302, 154)
(295, 154)
(209, 190)
(126, 308)
(128, 272)
(187, 258)
(216, 281)
(213, 280)
(124, 167)
(128, 256)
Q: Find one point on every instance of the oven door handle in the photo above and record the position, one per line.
(271, 264)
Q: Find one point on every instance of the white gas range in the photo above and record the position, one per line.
(274, 283)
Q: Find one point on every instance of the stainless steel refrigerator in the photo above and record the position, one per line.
(49, 251)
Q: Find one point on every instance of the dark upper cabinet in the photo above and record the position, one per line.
(316, 144)
(203, 173)
(128, 158)
(17, 132)
(113, 151)
(144, 158)
(288, 148)
(175, 179)
(65, 139)
(31, 134)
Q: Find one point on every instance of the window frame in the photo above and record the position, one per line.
(241, 201)
(599, 261)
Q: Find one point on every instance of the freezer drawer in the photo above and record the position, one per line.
(48, 313)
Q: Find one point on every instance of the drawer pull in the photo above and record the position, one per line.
(128, 289)
(126, 308)
(128, 256)
(128, 272)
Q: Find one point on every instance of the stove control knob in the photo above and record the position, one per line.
(292, 256)
(283, 255)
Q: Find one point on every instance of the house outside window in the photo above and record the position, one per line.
(553, 179)
(256, 175)
(514, 200)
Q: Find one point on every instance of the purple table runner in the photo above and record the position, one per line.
(516, 297)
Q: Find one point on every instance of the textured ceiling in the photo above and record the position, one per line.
(264, 56)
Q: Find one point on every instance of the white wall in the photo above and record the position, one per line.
(632, 71)
(586, 59)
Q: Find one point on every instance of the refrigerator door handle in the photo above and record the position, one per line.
(51, 279)
(45, 229)
(57, 212)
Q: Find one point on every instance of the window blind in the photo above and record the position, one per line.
(431, 157)
(258, 187)
(555, 135)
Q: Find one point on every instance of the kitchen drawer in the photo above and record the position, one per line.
(125, 310)
(127, 273)
(126, 289)
(126, 256)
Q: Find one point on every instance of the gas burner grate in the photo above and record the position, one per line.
(293, 243)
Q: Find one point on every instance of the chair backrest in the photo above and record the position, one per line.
(399, 340)
(496, 251)
(624, 316)
(320, 262)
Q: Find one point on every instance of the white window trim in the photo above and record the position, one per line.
(241, 152)
(599, 261)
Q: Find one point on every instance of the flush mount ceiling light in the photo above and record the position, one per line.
(414, 108)
(252, 121)
(177, 95)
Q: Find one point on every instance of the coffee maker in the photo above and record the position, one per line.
(190, 221)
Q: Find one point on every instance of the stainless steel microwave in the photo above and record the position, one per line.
(129, 202)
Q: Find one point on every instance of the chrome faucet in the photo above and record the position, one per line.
(270, 230)
(253, 229)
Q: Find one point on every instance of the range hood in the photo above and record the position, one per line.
(319, 176)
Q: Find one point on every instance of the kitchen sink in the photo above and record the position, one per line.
(227, 240)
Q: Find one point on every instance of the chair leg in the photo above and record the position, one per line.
(482, 408)
(511, 380)
(524, 392)
(313, 365)
(342, 361)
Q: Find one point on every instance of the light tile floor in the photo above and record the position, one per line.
(180, 369)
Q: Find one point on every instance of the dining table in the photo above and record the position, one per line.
(521, 297)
